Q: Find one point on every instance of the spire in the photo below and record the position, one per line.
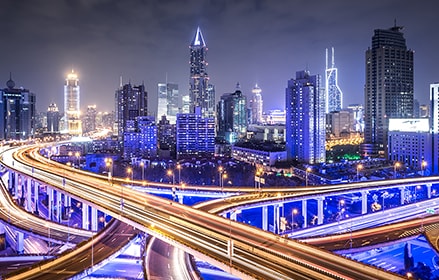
(198, 39)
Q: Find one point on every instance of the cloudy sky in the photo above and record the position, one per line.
(249, 41)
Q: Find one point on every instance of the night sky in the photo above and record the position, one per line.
(259, 41)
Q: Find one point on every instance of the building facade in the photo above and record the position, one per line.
(305, 119)
(72, 112)
(434, 126)
(334, 95)
(256, 105)
(232, 116)
(53, 118)
(168, 101)
(140, 140)
(388, 88)
(89, 123)
(17, 111)
(195, 135)
(201, 92)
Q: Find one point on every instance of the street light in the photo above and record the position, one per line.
(340, 204)
(220, 173)
(179, 172)
(77, 155)
(143, 170)
(423, 166)
(417, 188)
(359, 167)
(170, 173)
(292, 218)
(224, 176)
(307, 170)
(109, 164)
(394, 169)
(385, 195)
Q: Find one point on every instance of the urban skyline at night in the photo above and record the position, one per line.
(251, 42)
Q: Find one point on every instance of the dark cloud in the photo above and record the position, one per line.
(250, 41)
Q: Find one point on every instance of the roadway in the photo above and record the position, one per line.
(257, 254)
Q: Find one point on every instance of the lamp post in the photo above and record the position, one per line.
(220, 174)
(340, 204)
(359, 167)
(224, 176)
(143, 170)
(68, 223)
(294, 212)
(170, 173)
(77, 155)
(179, 172)
(423, 166)
(307, 170)
(417, 188)
(109, 164)
(395, 166)
(385, 195)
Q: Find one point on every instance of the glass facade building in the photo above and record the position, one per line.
(232, 117)
(334, 95)
(72, 113)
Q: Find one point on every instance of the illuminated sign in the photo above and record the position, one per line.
(409, 125)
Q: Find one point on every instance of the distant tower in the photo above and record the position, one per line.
(71, 105)
(90, 119)
(232, 116)
(388, 91)
(53, 118)
(255, 104)
(434, 123)
(168, 101)
(201, 93)
(334, 95)
(305, 119)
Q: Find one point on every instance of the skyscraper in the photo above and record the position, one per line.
(334, 95)
(201, 93)
(90, 119)
(131, 102)
(255, 105)
(168, 101)
(232, 116)
(305, 119)
(17, 112)
(72, 111)
(434, 123)
(53, 118)
(389, 87)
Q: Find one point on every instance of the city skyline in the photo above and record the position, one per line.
(250, 42)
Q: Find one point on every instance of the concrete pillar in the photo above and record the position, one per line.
(11, 181)
(36, 196)
(364, 202)
(50, 202)
(265, 217)
(59, 206)
(85, 216)
(276, 213)
(29, 195)
(94, 219)
(402, 194)
(233, 216)
(304, 213)
(180, 198)
(19, 236)
(16, 183)
(428, 190)
(320, 210)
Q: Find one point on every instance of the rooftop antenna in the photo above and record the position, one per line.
(120, 81)
(333, 63)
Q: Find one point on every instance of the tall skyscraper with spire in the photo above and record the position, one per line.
(201, 93)
(334, 95)
(72, 121)
(388, 91)
(255, 104)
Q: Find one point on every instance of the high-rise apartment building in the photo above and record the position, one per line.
(388, 89)
(140, 140)
(90, 119)
(72, 111)
(232, 116)
(201, 93)
(195, 135)
(17, 112)
(53, 118)
(334, 95)
(255, 105)
(131, 102)
(305, 119)
(168, 101)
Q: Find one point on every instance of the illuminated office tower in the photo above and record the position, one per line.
(53, 118)
(305, 119)
(201, 93)
(72, 121)
(17, 112)
(334, 95)
(232, 116)
(168, 101)
(131, 102)
(255, 105)
(388, 90)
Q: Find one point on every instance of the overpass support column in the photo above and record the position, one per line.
(277, 217)
(402, 194)
(85, 218)
(304, 213)
(264, 217)
(428, 190)
(180, 199)
(233, 215)
(94, 219)
(11, 180)
(50, 202)
(59, 206)
(364, 202)
(320, 210)
(36, 196)
(20, 242)
(16, 183)
(29, 195)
